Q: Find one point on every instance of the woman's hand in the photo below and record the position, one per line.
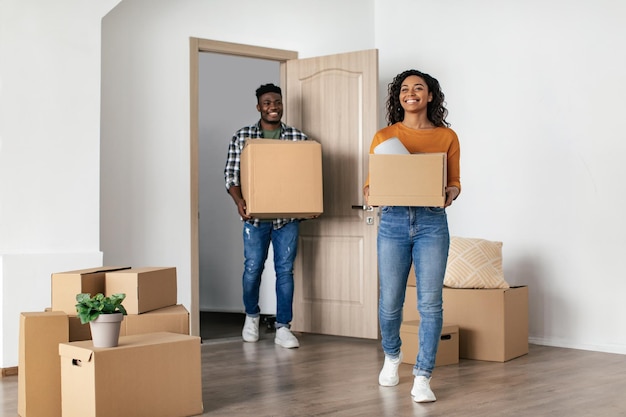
(451, 194)
(366, 194)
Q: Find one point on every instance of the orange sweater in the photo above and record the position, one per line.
(439, 139)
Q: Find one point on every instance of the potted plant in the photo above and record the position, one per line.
(104, 315)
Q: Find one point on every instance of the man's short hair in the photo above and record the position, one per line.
(268, 88)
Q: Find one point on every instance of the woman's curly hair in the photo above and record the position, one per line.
(436, 110)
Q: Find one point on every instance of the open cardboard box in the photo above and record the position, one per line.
(66, 285)
(408, 180)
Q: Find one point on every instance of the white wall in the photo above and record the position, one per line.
(60, 207)
(535, 91)
(145, 189)
(49, 152)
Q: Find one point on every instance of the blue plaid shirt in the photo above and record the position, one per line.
(238, 141)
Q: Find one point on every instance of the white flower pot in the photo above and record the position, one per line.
(105, 330)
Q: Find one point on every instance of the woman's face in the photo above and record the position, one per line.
(414, 94)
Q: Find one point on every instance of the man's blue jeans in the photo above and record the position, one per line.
(418, 234)
(256, 243)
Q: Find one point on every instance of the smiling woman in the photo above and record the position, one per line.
(423, 91)
(414, 98)
(416, 116)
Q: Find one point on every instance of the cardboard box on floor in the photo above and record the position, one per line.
(448, 352)
(493, 323)
(408, 180)
(39, 369)
(282, 178)
(154, 374)
(66, 285)
(174, 319)
(146, 289)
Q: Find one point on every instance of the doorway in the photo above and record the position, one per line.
(226, 102)
(335, 278)
(224, 78)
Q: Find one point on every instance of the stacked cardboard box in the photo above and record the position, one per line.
(153, 374)
(65, 286)
(151, 304)
(493, 323)
(146, 289)
(151, 296)
(173, 319)
(448, 352)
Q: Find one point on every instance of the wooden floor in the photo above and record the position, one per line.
(334, 376)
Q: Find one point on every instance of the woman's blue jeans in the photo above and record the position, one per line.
(256, 243)
(420, 235)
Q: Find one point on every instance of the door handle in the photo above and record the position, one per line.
(369, 219)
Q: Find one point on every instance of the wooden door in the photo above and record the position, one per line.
(333, 99)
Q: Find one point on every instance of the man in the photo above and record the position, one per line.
(257, 234)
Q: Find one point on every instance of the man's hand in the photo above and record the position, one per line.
(241, 208)
(235, 193)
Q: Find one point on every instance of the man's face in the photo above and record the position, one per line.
(271, 107)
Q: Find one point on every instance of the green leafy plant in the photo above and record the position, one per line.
(89, 308)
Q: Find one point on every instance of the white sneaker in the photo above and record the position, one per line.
(285, 338)
(421, 391)
(250, 332)
(388, 376)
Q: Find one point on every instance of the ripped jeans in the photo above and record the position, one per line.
(419, 235)
(256, 243)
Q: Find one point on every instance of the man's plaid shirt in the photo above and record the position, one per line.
(232, 170)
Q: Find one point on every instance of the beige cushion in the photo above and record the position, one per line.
(474, 263)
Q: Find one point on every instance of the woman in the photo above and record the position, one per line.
(416, 115)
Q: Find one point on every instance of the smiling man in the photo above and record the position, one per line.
(257, 233)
